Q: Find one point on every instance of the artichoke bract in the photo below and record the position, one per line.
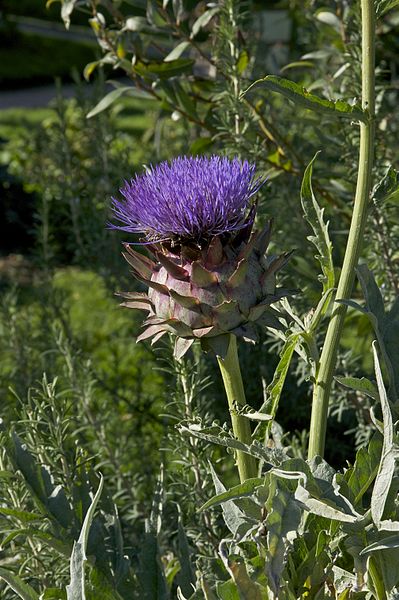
(208, 274)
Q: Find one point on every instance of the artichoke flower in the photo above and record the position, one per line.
(207, 275)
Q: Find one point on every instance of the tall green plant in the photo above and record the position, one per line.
(355, 239)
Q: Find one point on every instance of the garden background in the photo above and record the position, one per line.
(82, 109)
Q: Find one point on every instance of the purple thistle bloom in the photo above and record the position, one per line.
(189, 198)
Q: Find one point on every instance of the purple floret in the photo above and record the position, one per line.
(190, 197)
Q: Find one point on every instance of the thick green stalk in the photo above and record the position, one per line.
(328, 357)
(231, 374)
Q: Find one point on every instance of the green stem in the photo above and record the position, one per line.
(328, 356)
(231, 374)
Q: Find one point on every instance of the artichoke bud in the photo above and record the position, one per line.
(212, 281)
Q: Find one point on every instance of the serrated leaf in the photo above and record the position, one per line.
(24, 590)
(76, 589)
(321, 239)
(301, 97)
(255, 449)
(386, 467)
(274, 389)
(320, 310)
(203, 21)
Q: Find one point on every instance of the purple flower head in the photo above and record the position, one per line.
(190, 198)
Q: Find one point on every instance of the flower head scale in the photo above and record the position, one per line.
(190, 199)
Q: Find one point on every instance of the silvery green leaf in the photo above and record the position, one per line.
(343, 579)
(177, 51)
(114, 95)
(256, 416)
(363, 385)
(329, 18)
(76, 589)
(282, 523)
(321, 508)
(233, 516)
(392, 541)
(136, 24)
(255, 449)
(203, 21)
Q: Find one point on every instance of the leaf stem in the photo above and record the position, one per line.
(328, 357)
(231, 374)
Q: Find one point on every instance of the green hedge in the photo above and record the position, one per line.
(27, 59)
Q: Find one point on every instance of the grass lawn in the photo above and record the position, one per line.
(134, 116)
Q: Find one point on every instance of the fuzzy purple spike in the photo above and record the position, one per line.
(191, 198)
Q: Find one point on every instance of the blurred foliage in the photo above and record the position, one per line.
(106, 405)
(24, 59)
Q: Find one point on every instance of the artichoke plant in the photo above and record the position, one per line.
(208, 275)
